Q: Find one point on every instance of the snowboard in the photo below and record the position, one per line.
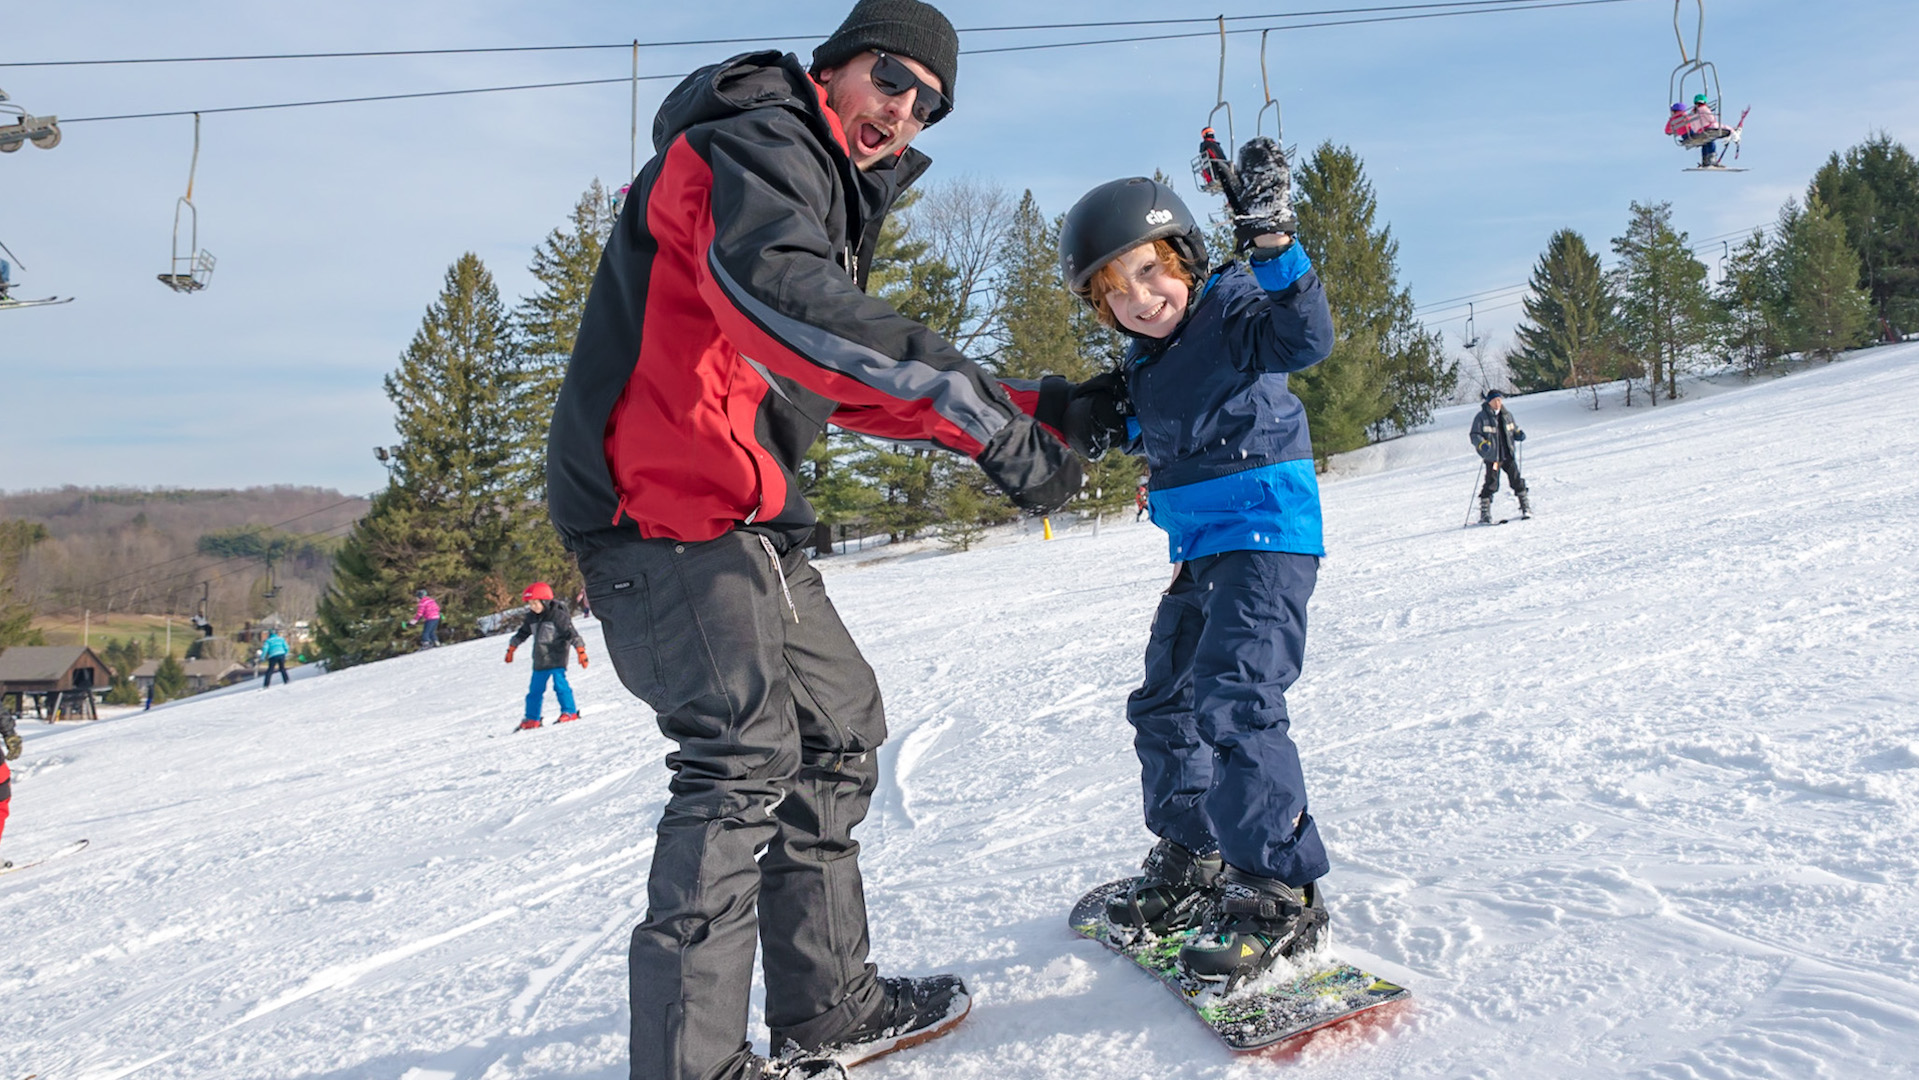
(70, 849)
(1269, 1012)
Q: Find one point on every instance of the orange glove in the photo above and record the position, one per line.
(509, 654)
(581, 649)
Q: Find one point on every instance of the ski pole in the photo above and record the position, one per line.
(1473, 498)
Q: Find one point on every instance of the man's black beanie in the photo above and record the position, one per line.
(904, 27)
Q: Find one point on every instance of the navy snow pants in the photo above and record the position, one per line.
(1217, 763)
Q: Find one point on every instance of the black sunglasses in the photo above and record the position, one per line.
(893, 78)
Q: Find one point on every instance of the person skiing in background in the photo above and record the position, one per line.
(1495, 436)
(427, 614)
(6, 799)
(728, 323)
(547, 623)
(1202, 394)
(1139, 502)
(274, 651)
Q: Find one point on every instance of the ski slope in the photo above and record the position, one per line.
(1628, 790)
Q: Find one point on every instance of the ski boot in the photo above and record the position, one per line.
(1525, 507)
(1255, 922)
(567, 718)
(1485, 509)
(528, 724)
(912, 1011)
(1172, 894)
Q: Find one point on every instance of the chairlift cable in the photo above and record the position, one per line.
(1507, 6)
(499, 49)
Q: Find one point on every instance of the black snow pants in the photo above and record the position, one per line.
(778, 720)
(1493, 468)
(279, 664)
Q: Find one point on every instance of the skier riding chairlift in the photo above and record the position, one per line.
(1700, 127)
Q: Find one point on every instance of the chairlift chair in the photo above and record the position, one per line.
(8, 300)
(1470, 336)
(18, 128)
(1695, 70)
(193, 269)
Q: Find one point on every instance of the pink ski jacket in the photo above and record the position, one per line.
(429, 609)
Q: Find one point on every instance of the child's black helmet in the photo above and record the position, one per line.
(1120, 215)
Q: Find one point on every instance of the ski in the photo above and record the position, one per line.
(70, 849)
(4, 304)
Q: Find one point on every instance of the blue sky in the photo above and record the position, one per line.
(333, 226)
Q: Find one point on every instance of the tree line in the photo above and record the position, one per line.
(1837, 270)
(464, 514)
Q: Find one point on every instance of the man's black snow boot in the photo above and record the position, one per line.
(797, 1064)
(1525, 506)
(1485, 510)
(1256, 921)
(1173, 893)
(912, 1011)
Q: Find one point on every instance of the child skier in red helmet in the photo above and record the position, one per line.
(552, 631)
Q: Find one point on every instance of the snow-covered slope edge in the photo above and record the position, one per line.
(1630, 789)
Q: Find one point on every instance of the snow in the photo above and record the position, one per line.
(1631, 789)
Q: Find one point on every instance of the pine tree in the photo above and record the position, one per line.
(1386, 373)
(1666, 316)
(1040, 333)
(545, 325)
(1569, 315)
(1874, 189)
(1754, 303)
(169, 680)
(16, 617)
(1826, 310)
(454, 519)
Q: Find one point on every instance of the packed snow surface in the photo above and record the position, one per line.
(1630, 789)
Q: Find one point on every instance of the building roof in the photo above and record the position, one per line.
(39, 663)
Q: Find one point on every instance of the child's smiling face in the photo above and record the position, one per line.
(1152, 300)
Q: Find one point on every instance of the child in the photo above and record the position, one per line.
(547, 624)
(1202, 394)
(427, 614)
(274, 651)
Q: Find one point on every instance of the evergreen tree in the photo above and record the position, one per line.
(1039, 325)
(1569, 315)
(1826, 310)
(1754, 303)
(455, 518)
(16, 616)
(1666, 316)
(1874, 189)
(169, 680)
(1386, 373)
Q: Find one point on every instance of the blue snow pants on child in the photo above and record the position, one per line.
(537, 691)
(1218, 765)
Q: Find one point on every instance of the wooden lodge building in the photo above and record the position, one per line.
(60, 680)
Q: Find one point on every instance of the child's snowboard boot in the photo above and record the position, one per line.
(1255, 922)
(567, 718)
(1172, 894)
(529, 724)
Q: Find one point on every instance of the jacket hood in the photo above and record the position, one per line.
(760, 80)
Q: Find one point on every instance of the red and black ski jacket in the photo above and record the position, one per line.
(728, 323)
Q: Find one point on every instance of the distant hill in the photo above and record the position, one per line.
(132, 551)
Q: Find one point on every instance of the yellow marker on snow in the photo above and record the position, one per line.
(1046, 528)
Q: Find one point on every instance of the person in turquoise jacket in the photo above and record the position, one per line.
(274, 651)
(1202, 394)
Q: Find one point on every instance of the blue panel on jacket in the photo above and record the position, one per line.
(1271, 508)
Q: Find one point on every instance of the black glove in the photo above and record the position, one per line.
(1520, 437)
(1096, 415)
(1034, 469)
(1265, 192)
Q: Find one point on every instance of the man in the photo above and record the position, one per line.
(727, 324)
(1496, 436)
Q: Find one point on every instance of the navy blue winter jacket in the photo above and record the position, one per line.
(1227, 442)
